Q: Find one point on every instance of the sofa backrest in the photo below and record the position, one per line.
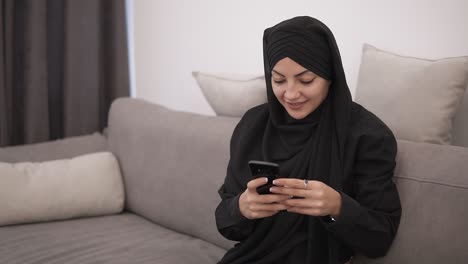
(173, 164)
(433, 184)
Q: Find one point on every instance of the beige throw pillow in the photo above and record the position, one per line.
(416, 98)
(88, 185)
(231, 94)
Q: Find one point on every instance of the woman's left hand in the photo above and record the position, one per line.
(319, 199)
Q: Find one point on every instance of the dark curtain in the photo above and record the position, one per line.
(62, 63)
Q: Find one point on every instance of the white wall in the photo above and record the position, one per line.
(175, 37)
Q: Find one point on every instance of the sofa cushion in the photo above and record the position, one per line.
(86, 185)
(116, 239)
(173, 164)
(232, 94)
(53, 150)
(433, 185)
(460, 124)
(416, 98)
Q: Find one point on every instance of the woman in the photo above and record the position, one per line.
(333, 153)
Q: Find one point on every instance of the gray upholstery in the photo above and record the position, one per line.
(433, 184)
(173, 164)
(460, 123)
(118, 239)
(59, 149)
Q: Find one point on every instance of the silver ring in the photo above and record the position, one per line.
(306, 181)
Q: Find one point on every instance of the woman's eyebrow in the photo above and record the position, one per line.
(277, 73)
(297, 75)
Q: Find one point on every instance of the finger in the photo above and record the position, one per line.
(262, 214)
(296, 183)
(269, 207)
(289, 191)
(305, 203)
(271, 198)
(253, 184)
(306, 211)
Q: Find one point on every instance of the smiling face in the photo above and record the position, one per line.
(298, 90)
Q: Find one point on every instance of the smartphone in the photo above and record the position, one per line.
(264, 169)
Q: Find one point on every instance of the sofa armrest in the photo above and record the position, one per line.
(173, 164)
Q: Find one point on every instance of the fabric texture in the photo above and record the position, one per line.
(173, 163)
(459, 125)
(53, 150)
(62, 63)
(417, 98)
(117, 239)
(334, 144)
(433, 186)
(87, 185)
(230, 94)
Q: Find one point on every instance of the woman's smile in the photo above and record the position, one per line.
(295, 106)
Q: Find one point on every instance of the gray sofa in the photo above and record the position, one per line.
(172, 165)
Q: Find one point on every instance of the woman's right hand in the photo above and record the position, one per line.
(253, 205)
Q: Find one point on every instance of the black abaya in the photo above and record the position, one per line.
(340, 143)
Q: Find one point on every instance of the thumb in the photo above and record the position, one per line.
(253, 184)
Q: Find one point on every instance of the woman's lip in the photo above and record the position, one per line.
(296, 105)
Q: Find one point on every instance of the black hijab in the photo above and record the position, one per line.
(311, 148)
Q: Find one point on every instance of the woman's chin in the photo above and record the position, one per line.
(297, 114)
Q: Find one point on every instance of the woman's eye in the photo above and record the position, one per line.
(307, 82)
(278, 81)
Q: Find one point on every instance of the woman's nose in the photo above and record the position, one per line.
(292, 92)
